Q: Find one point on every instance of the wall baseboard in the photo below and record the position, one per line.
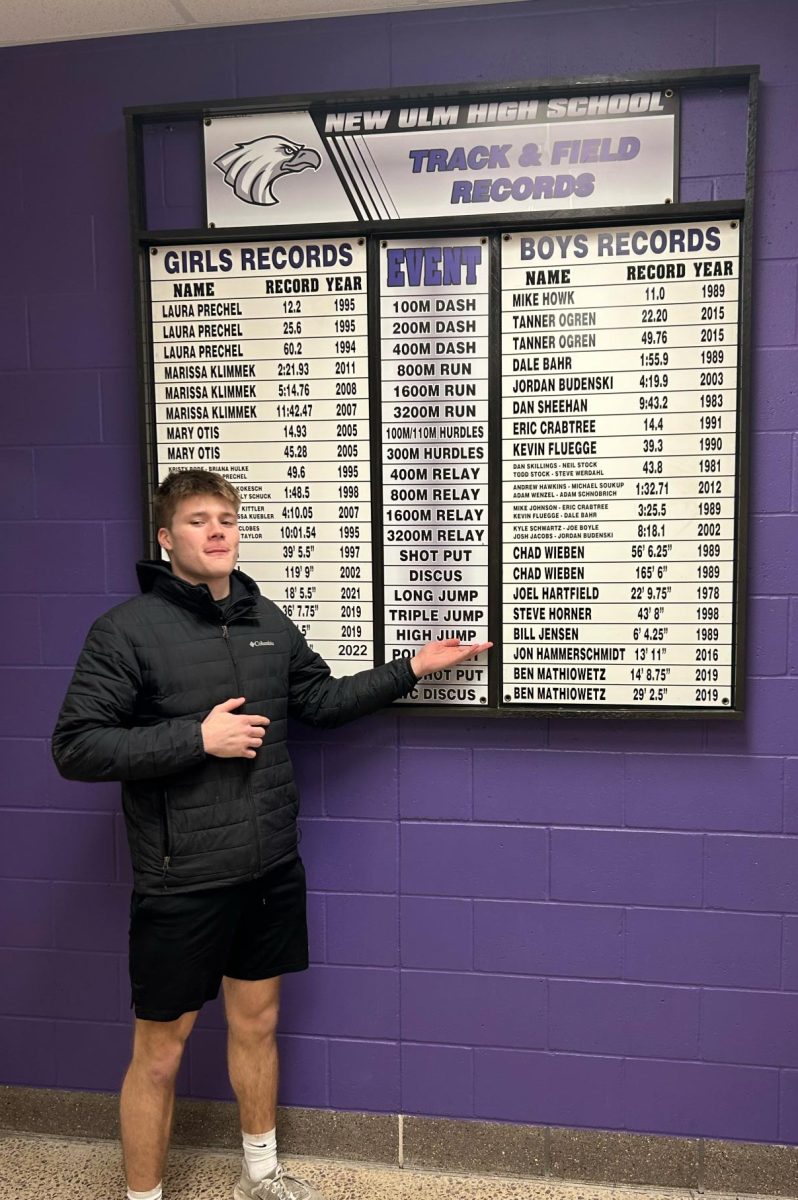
(436, 1143)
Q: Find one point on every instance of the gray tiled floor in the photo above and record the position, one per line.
(36, 1168)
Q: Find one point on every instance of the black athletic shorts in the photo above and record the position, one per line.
(181, 944)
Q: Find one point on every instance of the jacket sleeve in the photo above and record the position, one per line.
(317, 698)
(96, 736)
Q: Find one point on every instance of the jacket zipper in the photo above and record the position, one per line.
(167, 840)
(251, 798)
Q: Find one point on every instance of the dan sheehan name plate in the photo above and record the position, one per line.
(619, 427)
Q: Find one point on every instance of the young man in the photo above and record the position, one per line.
(183, 694)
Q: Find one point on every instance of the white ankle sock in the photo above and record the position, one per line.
(260, 1153)
(155, 1194)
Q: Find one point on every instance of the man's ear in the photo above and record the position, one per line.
(164, 539)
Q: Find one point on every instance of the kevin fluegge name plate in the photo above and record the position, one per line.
(434, 351)
(619, 428)
(261, 373)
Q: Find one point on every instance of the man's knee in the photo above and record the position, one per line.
(253, 1009)
(158, 1048)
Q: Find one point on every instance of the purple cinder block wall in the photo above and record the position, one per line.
(578, 923)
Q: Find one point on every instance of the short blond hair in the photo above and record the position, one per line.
(182, 485)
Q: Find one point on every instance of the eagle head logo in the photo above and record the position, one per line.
(251, 169)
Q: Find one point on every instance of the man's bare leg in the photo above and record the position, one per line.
(252, 1011)
(252, 1008)
(148, 1098)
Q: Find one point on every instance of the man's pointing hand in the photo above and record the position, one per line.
(437, 656)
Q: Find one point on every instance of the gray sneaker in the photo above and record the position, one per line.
(276, 1186)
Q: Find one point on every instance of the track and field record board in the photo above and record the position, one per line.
(527, 427)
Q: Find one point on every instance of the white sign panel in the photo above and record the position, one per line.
(434, 352)
(619, 430)
(547, 460)
(261, 373)
(397, 161)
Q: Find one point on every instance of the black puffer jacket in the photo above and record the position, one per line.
(151, 670)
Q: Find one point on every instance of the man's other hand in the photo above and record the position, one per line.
(226, 734)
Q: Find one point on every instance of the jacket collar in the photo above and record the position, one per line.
(157, 576)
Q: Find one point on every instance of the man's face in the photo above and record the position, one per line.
(202, 541)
